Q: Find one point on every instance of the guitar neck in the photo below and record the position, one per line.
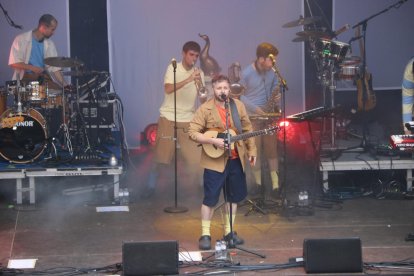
(247, 135)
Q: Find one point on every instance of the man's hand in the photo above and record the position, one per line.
(252, 160)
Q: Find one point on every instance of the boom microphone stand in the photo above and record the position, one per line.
(230, 204)
(175, 208)
(364, 24)
(284, 88)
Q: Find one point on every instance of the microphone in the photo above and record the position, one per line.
(174, 63)
(342, 29)
(223, 96)
(272, 57)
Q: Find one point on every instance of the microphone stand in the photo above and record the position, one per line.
(231, 243)
(175, 208)
(284, 88)
(364, 24)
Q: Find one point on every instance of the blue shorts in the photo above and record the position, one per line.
(232, 181)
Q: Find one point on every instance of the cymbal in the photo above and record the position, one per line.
(300, 39)
(82, 73)
(63, 62)
(301, 21)
(314, 34)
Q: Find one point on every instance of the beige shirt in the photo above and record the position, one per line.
(186, 96)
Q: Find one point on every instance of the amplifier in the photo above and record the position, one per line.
(332, 255)
(98, 114)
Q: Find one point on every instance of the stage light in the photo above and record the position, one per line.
(150, 133)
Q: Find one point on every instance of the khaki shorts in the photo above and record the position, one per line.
(266, 144)
(165, 146)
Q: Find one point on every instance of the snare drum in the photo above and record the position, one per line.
(350, 68)
(37, 92)
(22, 135)
(330, 49)
(54, 99)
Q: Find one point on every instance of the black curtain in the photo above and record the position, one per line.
(89, 33)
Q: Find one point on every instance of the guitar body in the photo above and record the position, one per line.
(215, 152)
(370, 97)
(212, 150)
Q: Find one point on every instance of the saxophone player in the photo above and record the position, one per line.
(262, 96)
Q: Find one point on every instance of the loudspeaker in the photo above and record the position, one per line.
(332, 255)
(150, 258)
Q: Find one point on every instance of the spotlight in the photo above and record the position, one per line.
(150, 133)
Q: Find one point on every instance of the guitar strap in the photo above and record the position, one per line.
(235, 115)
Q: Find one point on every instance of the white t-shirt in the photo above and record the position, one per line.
(186, 96)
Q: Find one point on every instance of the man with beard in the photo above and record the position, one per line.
(227, 170)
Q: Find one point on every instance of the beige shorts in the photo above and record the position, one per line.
(165, 146)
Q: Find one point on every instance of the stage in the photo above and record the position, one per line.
(85, 230)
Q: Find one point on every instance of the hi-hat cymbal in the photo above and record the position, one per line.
(314, 34)
(77, 73)
(63, 62)
(83, 73)
(301, 21)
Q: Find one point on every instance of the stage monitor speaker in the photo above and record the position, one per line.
(150, 258)
(332, 255)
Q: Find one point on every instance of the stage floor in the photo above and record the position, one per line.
(64, 230)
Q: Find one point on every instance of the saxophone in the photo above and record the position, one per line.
(272, 105)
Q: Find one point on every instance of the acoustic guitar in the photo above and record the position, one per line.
(215, 152)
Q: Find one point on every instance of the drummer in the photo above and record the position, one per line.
(29, 50)
(261, 96)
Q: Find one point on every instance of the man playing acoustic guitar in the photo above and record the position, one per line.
(222, 171)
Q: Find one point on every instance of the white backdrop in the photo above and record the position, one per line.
(145, 35)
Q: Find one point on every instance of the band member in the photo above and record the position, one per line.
(188, 80)
(408, 94)
(29, 50)
(261, 96)
(224, 172)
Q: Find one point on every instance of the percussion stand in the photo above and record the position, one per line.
(332, 89)
(66, 137)
(80, 121)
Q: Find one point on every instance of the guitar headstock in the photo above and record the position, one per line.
(273, 129)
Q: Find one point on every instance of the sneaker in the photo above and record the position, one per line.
(204, 243)
(236, 239)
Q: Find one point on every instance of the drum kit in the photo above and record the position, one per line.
(37, 111)
(332, 58)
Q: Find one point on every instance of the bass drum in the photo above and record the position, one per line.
(22, 136)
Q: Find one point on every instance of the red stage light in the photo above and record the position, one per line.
(150, 133)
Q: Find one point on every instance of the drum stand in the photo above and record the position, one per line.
(66, 137)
